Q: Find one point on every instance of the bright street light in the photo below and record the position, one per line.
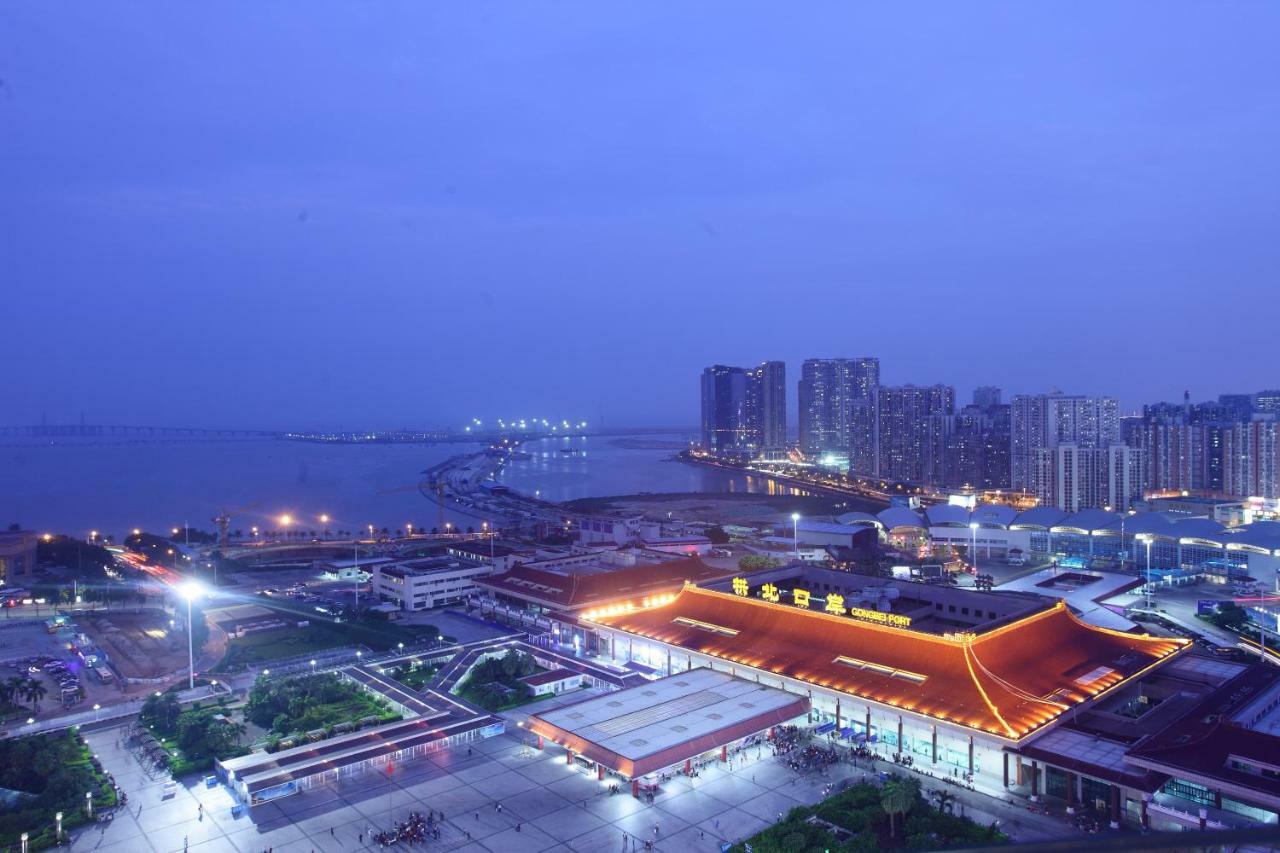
(795, 534)
(286, 520)
(191, 590)
(973, 545)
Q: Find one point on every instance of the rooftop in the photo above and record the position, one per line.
(571, 591)
(1008, 681)
(643, 729)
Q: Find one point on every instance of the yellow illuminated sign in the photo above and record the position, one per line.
(740, 586)
(800, 597)
(769, 592)
(835, 603)
(883, 618)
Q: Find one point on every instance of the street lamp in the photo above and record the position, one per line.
(191, 590)
(1148, 540)
(96, 709)
(313, 666)
(795, 535)
(973, 545)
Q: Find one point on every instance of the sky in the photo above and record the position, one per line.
(401, 214)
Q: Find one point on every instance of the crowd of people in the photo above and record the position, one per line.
(415, 830)
(810, 758)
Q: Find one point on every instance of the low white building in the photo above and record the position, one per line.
(428, 582)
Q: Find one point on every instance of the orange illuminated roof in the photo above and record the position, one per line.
(1009, 681)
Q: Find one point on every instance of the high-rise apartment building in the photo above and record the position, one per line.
(767, 406)
(986, 397)
(725, 418)
(1249, 466)
(913, 426)
(744, 410)
(1073, 478)
(829, 391)
(1044, 421)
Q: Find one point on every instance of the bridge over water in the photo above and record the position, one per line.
(106, 430)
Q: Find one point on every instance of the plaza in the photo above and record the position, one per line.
(555, 805)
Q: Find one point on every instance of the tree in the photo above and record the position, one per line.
(161, 711)
(33, 692)
(898, 797)
(717, 535)
(756, 562)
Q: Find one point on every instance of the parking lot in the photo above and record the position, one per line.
(29, 651)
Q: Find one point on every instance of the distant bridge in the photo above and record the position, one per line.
(104, 430)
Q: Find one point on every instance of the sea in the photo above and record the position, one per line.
(77, 486)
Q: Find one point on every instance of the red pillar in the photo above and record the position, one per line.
(1006, 769)
(600, 771)
(1146, 818)
(635, 787)
(1071, 793)
(568, 756)
(1115, 807)
(1204, 819)
(540, 742)
(1035, 782)
(838, 714)
(935, 744)
(724, 753)
(688, 766)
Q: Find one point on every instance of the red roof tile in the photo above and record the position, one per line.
(1008, 681)
(572, 591)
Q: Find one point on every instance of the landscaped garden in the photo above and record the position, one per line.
(267, 646)
(193, 737)
(866, 818)
(494, 683)
(46, 774)
(415, 675)
(295, 707)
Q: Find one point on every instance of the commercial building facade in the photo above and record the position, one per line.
(429, 582)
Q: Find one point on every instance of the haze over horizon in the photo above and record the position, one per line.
(400, 215)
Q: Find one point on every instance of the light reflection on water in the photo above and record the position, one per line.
(113, 487)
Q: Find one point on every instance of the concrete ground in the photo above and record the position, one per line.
(453, 623)
(554, 805)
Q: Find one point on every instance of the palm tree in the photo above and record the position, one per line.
(34, 691)
(944, 800)
(898, 797)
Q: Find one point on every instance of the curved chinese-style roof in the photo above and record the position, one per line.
(1008, 681)
(571, 591)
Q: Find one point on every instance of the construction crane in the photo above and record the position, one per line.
(223, 520)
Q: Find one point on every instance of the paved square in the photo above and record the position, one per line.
(547, 804)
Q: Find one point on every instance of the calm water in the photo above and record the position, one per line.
(113, 487)
(75, 487)
(602, 467)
